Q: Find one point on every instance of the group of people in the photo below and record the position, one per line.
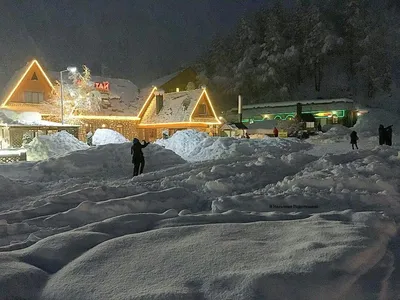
(385, 136)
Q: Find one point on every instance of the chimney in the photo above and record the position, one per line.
(240, 108)
(159, 102)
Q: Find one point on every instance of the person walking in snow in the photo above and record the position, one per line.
(89, 138)
(381, 132)
(275, 132)
(137, 156)
(388, 135)
(353, 139)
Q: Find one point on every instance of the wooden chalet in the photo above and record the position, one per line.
(177, 111)
(172, 104)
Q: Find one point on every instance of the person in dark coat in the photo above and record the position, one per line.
(319, 127)
(381, 132)
(275, 132)
(137, 156)
(353, 139)
(388, 135)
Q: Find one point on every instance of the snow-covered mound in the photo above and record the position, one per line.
(113, 160)
(58, 144)
(108, 136)
(198, 146)
(334, 134)
(368, 124)
(163, 256)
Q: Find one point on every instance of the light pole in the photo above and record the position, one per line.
(71, 70)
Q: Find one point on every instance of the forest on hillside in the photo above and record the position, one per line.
(315, 49)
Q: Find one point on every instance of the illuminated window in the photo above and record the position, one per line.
(33, 97)
(34, 76)
(202, 109)
(335, 119)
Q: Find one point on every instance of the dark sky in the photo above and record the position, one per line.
(135, 39)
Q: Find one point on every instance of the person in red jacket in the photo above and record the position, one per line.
(276, 132)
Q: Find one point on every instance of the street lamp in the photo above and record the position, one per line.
(71, 70)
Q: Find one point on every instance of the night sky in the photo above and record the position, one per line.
(135, 39)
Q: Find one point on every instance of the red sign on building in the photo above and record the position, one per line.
(104, 86)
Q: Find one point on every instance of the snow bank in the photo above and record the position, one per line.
(197, 146)
(334, 134)
(368, 124)
(58, 144)
(108, 136)
(321, 257)
(106, 161)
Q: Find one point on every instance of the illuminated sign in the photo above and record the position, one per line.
(104, 86)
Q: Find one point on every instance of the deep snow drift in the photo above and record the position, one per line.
(79, 227)
(367, 125)
(195, 146)
(229, 256)
(108, 136)
(58, 144)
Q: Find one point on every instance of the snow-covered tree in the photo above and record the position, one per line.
(319, 48)
(79, 95)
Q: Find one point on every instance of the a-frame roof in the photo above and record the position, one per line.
(18, 78)
(159, 82)
(178, 107)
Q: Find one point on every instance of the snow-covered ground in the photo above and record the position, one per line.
(211, 218)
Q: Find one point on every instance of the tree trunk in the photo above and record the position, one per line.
(317, 75)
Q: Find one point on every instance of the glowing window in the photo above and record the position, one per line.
(34, 76)
(33, 97)
(202, 109)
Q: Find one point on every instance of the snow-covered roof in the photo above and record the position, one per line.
(122, 99)
(294, 103)
(177, 107)
(14, 119)
(12, 82)
(165, 79)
